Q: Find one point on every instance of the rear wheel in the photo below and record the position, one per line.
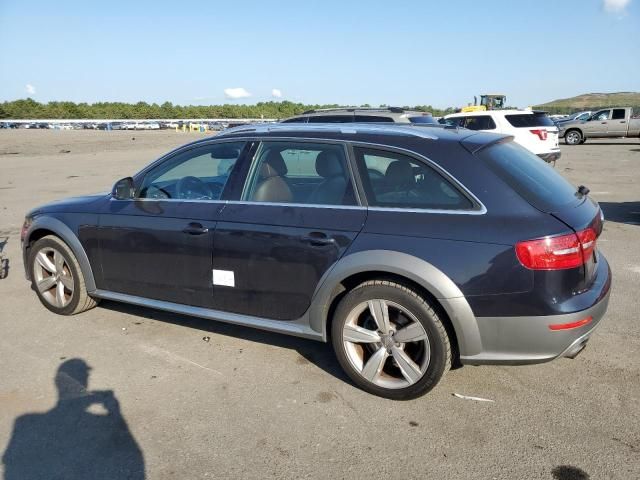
(57, 278)
(390, 340)
(573, 137)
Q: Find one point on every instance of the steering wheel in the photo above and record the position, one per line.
(193, 188)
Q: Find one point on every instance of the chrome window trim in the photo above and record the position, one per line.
(185, 200)
(346, 142)
(480, 211)
(309, 205)
(457, 183)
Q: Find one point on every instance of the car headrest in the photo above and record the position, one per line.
(400, 174)
(328, 164)
(273, 165)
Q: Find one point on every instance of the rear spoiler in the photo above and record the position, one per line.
(481, 140)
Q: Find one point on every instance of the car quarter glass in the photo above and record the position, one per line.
(399, 181)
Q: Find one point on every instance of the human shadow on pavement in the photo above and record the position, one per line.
(83, 437)
(621, 212)
(568, 472)
(318, 353)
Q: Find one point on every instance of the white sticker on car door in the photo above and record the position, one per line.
(224, 278)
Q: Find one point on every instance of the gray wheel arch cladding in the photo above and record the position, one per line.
(59, 229)
(419, 271)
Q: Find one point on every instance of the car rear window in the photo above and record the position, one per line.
(526, 120)
(534, 179)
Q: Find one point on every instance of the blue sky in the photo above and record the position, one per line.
(348, 52)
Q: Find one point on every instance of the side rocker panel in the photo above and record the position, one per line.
(415, 269)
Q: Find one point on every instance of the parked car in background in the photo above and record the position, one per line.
(609, 122)
(534, 130)
(575, 116)
(362, 115)
(408, 248)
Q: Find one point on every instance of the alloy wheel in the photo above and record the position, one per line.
(386, 344)
(53, 277)
(573, 138)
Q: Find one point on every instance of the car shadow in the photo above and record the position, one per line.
(83, 436)
(318, 353)
(621, 212)
(4, 262)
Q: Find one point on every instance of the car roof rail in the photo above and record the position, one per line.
(345, 128)
(353, 109)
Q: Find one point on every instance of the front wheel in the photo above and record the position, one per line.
(57, 278)
(390, 340)
(573, 137)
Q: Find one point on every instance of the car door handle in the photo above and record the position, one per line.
(623, 121)
(318, 239)
(195, 229)
(604, 123)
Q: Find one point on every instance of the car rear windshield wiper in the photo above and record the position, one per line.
(582, 190)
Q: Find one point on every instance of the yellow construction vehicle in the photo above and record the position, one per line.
(487, 102)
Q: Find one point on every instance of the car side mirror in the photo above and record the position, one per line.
(123, 189)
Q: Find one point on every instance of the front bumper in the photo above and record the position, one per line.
(528, 340)
(551, 156)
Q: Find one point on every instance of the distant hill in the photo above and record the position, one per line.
(592, 101)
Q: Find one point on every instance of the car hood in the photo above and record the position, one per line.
(85, 203)
(570, 123)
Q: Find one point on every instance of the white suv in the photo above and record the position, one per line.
(532, 129)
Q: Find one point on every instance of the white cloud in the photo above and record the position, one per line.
(235, 93)
(615, 6)
(30, 89)
(276, 93)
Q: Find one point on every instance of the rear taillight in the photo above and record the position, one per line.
(542, 134)
(557, 253)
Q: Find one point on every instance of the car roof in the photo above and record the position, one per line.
(391, 112)
(356, 132)
(492, 112)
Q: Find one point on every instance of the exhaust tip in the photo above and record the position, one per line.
(576, 350)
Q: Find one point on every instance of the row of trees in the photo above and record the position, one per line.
(29, 108)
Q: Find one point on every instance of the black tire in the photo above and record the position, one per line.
(573, 137)
(439, 360)
(78, 299)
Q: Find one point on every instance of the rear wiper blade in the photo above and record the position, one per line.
(582, 190)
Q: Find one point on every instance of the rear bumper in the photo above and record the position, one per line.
(551, 156)
(527, 340)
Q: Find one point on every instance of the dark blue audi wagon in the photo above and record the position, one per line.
(409, 248)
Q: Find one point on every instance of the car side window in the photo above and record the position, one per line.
(300, 173)
(453, 121)
(399, 181)
(602, 115)
(197, 174)
(618, 114)
(331, 119)
(480, 122)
